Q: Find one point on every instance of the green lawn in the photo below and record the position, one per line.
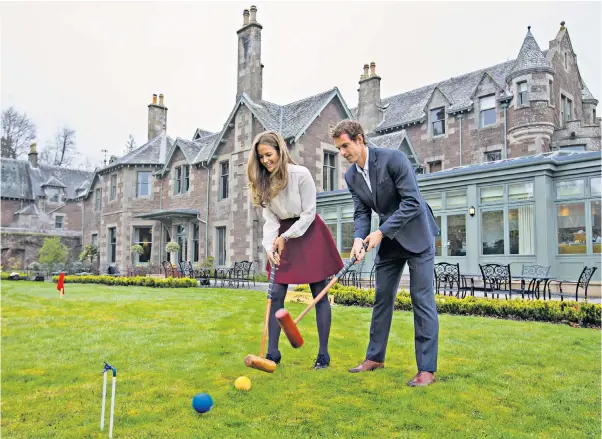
(497, 379)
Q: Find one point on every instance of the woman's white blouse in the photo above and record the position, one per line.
(298, 199)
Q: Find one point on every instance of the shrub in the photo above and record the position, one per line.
(135, 280)
(6, 275)
(138, 249)
(571, 312)
(53, 251)
(172, 247)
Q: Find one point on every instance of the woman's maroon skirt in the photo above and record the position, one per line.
(310, 258)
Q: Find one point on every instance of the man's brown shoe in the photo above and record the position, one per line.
(367, 365)
(422, 379)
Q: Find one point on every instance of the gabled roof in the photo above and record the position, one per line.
(393, 140)
(289, 120)
(530, 59)
(201, 133)
(52, 181)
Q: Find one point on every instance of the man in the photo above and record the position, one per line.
(383, 180)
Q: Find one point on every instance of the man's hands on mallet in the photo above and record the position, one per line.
(373, 239)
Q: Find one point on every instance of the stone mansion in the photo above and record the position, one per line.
(193, 191)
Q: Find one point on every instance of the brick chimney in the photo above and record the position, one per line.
(250, 69)
(157, 117)
(33, 155)
(369, 114)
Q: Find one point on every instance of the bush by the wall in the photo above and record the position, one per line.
(6, 274)
(140, 281)
(571, 312)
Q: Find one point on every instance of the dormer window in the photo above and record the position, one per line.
(487, 106)
(438, 121)
(53, 194)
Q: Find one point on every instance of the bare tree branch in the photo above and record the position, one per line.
(61, 151)
(18, 132)
(130, 145)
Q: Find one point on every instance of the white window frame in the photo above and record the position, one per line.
(505, 205)
(482, 110)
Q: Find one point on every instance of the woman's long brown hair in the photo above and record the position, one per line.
(263, 184)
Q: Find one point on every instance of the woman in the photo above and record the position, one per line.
(306, 250)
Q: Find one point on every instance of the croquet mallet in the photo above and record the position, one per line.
(289, 326)
(254, 361)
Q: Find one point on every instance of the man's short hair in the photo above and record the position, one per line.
(350, 127)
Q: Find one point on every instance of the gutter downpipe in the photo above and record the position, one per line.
(505, 108)
(207, 210)
(460, 117)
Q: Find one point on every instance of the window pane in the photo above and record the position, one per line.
(492, 194)
(596, 186)
(329, 214)
(347, 211)
(522, 233)
(520, 191)
(487, 102)
(571, 228)
(438, 237)
(434, 201)
(457, 199)
(347, 231)
(597, 238)
(333, 231)
(456, 235)
(492, 232)
(570, 188)
(438, 128)
(488, 117)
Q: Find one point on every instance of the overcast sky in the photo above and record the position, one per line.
(95, 66)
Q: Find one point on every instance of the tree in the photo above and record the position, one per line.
(61, 151)
(90, 251)
(130, 145)
(53, 251)
(18, 132)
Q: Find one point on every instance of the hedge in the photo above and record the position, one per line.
(141, 281)
(571, 312)
(5, 275)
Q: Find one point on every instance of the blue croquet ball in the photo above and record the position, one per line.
(202, 402)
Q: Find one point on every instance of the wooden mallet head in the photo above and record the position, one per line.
(260, 363)
(289, 328)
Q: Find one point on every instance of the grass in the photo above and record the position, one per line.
(497, 378)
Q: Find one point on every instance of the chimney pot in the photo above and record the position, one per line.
(365, 75)
(155, 99)
(245, 17)
(33, 155)
(161, 99)
(372, 69)
(253, 14)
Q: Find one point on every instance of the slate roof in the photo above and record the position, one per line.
(409, 107)
(147, 154)
(207, 144)
(21, 181)
(587, 95)
(15, 179)
(389, 140)
(291, 118)
(530, 59)
(52, 181)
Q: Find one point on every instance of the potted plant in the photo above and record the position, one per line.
(173, 248)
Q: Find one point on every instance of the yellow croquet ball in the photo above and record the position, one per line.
(242, 383)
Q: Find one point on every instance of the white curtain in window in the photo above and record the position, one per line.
(488, 102)
(526, 232)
